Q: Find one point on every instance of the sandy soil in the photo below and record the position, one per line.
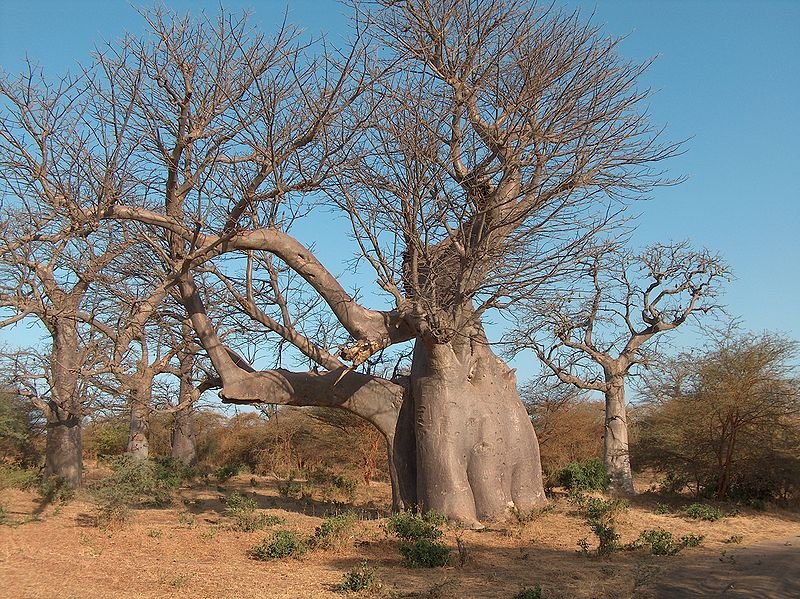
(190, 550)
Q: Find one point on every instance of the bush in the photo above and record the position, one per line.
(360, 578)
(701, 511)
(284, 543)
(411, 527)
(601, 515)
(243, 511)
(530, 593)
(135, 482)
(226, 472)
(424, 553)
(418, 535)
(661, 542)
(333, 531)
(14, 477)
(55, 489)
(588, 475)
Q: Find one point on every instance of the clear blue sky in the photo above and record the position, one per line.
(727, 78)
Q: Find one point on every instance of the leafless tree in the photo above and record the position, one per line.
(607, 322)
(475, 146)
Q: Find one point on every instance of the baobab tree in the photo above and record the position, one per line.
(475, 148)
(608, 323)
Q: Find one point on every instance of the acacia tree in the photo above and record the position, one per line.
(608, 323)
(727, 419)
(475, 148)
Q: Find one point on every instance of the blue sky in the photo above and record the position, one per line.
(727, 79)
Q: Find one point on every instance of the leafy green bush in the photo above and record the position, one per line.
(587, 475)
(284, 543)
(55, 489)
(226, 472)
(359, 578)
(243, 511)
(530, 593)
(601, 515)
(662, 542)
(15, 477)
(424, 553)
(134, 482)
(701, 511)
(410, 527)
(418, 535)
(333, 530)
(663, 508)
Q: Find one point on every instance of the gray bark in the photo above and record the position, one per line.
(476, 451)
(139, 437)
(64, 446)
(184, 442)
(616, 454)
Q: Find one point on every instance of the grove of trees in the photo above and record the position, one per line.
(156, 210)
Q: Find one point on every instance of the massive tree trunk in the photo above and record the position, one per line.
(64, 447)
(616, 454)
(140, 406)
(476, 451)
(184, 442)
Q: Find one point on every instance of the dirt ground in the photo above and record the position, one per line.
(190, 550)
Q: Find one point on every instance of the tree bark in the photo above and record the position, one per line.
(616, 454)
(184, 442)
(64, 445)
(139, 437)
(477, 455)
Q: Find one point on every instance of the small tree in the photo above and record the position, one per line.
(593, 335)
(728, 421)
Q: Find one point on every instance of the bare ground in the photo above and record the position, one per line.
(190, 550)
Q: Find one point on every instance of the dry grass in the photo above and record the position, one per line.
(189, 550)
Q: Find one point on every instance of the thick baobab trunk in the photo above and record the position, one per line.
(476, 451)
(139, 437)
(184, 442)
(616, 454)
(64, 446)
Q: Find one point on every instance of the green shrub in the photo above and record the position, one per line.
(226, 472)
(530, 593)
(359, 578)
(284, 543)
(418, 535)
(134, 482)
(661, 542)
(701, 511)
(663, 508)
(601, 515)
(55, 489)
(333, 530)
(411, 527)
(243, 511)
(424, 553)
(14, 477)
(587, 475)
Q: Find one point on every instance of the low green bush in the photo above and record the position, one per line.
(55, 489)
(333, 531)
(530, 593)
(418, 534)
(702, 511)
(424, 553)
(662, 542)
(601, 515)
(15, 477)
(226, 472)
(587, 475)
(282, 544)
(359, 578)
(245, 515)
